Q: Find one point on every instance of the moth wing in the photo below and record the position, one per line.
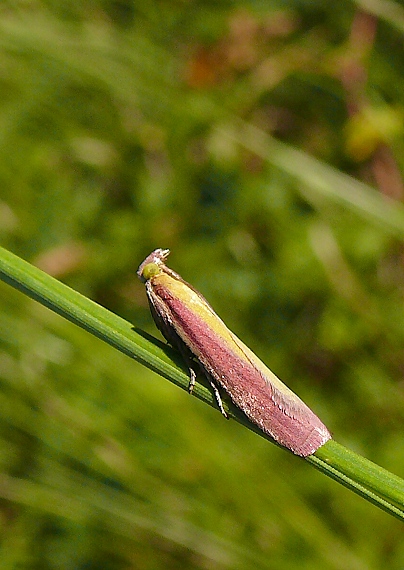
(283, 396)
(167, 327)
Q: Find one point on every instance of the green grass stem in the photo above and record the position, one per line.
(365, 478)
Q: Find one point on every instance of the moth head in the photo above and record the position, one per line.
(150, 270)
(153, 264)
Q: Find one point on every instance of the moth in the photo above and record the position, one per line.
(191, 326)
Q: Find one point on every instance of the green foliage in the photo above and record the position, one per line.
(128, 126)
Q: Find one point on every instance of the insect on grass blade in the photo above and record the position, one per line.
(190, 324)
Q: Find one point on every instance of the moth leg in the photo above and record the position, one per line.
(218, 398)
(179, 345)
(192, 380)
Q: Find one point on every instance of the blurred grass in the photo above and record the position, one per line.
(112, 117)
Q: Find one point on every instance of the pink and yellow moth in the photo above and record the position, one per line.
(191, 326)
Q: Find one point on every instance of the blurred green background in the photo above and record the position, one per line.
(121, 130)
